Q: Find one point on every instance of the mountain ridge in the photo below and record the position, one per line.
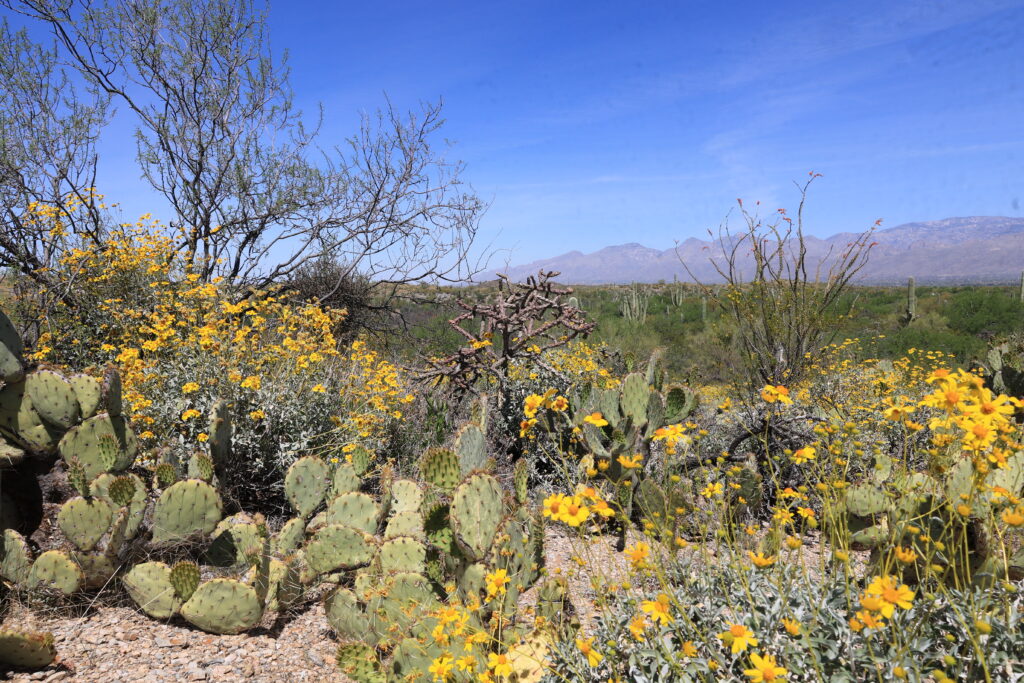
(956, 250)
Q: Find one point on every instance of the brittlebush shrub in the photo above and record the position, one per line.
(729, 589)
(182, 344)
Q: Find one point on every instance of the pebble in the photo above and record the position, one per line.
(113, 644)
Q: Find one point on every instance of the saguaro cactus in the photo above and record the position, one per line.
(911, 313)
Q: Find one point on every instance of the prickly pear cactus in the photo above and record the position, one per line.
(223, 606)
(53, 570)
(633, 401)
(440, 467)
(11, 367)
(186, 508)
(25, 649)
(164, 475)
(359, 662)
(475, 513)
(121, 491)
(100, 444)
(306, 483)
(406, 496)
(403, 554)
(680, 402)
(84, 522)
(110, 392)
(344, 480)
(405, 523)
(357, 510)
(471, 448)
(149, 585)
(290, 537)
(88, 392)
(234, 540)
(15, 558)
(521, 480)
(220, 436)
(184, 578)
(53, 398)
(113, 489)
(339, 547)
(78, 479)
(344, 614)
(360, 459)
(200, 466)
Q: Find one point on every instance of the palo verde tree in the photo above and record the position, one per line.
(253, 195)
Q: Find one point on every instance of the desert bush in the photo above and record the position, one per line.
(783, 304)
(872, 532)
(182, 344)
(805, 624)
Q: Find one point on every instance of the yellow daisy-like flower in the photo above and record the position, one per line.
(804, 454)
(441, 669)
(760, 561)
(251, 382)
(631, 462)
(891, 594)
(499, 664)
(637, 627)
(764, 669)
(904, 555)
(190, 414)
(190, 388)
(587, 648)
(257, 414)
(496, 582)
(596, 419)
(574, 512)
(738, 638)
(638, 554)
(559, 404)
(1013, 517)
(658, 609)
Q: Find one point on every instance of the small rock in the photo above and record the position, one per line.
(314, 658)
(58, 676)
(160, 641)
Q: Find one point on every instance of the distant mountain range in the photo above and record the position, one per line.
(971, 250)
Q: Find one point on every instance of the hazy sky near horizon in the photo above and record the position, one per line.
(588, 124)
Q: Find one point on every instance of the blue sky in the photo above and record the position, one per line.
(588, 124)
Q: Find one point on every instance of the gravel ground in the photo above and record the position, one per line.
(116, 644)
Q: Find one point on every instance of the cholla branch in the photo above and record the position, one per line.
(524, 320)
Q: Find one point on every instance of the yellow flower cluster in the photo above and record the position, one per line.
(981, 421)
(879, 601)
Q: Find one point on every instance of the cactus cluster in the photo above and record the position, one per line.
(945, 508)
(634, 412)
(395, 548)
(633, 304)
(395, 556)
